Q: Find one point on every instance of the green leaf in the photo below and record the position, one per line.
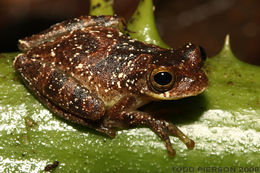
(224, 122)
(142, 25)
(101, 7)
(238, 81)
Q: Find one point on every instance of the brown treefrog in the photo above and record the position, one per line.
(88, 72)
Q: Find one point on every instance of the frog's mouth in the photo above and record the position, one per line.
(168, 95)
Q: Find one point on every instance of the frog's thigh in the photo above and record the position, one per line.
(61, 89)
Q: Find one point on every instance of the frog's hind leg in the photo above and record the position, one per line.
(97, 125)
(60, 88)
(60, 92)
(67, 26)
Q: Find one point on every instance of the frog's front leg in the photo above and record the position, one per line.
(162, 128)
(59, 88)
(59, 29)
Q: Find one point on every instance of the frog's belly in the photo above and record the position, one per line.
(139, 101)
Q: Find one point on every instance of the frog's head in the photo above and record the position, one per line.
(175, 74)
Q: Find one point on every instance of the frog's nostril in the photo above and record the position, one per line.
(203, 54)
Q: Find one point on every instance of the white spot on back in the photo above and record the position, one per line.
(118, 84)
(53, 54)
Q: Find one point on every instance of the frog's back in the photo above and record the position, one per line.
(87, 45)
(101, 58)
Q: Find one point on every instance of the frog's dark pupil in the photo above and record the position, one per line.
(163, 78)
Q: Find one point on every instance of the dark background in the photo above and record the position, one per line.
(203, 22)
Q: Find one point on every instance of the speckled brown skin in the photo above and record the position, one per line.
(88, 72)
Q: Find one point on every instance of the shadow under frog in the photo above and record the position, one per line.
(88, 72)
(183, 111)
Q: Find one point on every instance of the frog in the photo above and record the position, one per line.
(89, 71)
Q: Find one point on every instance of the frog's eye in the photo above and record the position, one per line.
(162, 79)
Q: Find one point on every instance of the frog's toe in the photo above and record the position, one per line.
(190, 144)
(170, 150)
(175, 131)
(108, 131)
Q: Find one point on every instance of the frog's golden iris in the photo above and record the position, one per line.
(162, 79)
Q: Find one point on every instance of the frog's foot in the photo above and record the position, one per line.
(175, 131)
(162, 128)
